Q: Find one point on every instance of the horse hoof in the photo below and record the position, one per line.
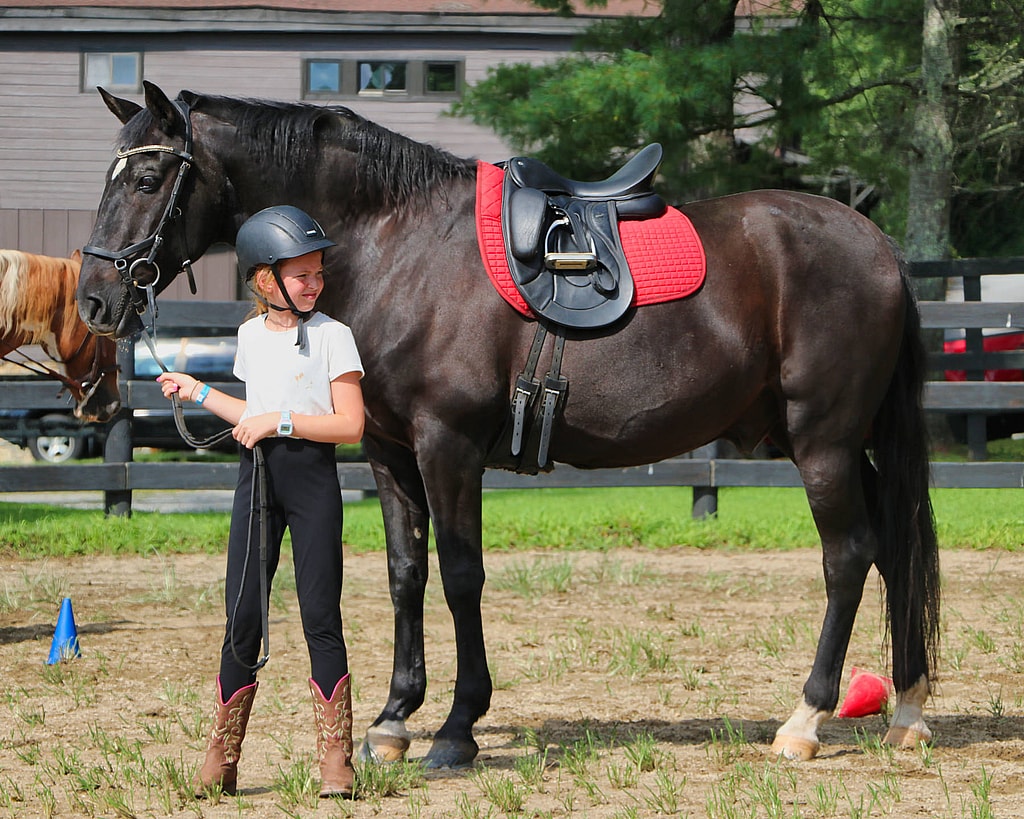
(451, 753)
(797, 749)
(382, 745)
(906, 737)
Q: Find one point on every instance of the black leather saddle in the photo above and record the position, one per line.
(562, 238)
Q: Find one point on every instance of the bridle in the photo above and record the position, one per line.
(81, 389)
(127, 260)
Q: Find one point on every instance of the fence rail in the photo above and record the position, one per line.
(711, 473)
(703, 470)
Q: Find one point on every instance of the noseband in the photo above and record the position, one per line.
(126, 260)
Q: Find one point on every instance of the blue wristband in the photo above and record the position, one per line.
(205, 391)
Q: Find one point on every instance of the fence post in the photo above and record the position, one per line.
(977, 423)
(705, 498)
(118, 447)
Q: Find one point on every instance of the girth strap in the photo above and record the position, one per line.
(555, 389)
(526, 389)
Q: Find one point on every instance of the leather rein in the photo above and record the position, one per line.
(81, 389)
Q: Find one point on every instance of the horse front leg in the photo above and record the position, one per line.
(404, 508)
(453, 477)
(848, 549)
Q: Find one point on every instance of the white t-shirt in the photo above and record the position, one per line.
(278, 376)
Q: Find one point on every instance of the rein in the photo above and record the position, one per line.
(260, 479)
(179, 410)
(82, 390)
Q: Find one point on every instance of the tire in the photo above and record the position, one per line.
(56, 449)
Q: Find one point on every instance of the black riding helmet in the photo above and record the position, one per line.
(276, 233)
(272, 235)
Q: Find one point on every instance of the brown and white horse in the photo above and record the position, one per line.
(37, 306)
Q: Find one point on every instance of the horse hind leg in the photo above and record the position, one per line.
(907, 624)
(907, 728)
(834, 492)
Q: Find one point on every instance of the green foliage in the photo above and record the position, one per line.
(988, 207)
(634, 81)
(828, 87)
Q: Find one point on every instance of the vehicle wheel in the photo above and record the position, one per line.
(56, 449)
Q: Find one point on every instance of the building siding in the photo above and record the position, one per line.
(57, 141)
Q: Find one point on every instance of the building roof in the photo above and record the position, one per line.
(613, 8)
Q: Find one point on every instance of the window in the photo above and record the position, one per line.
(441, 78)
(381, 78)
(115, 71)
(369, 79)
(324, 77)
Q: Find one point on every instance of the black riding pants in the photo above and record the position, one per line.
(304, 496)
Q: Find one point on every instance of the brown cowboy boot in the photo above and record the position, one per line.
(334, 738)
(220, 768)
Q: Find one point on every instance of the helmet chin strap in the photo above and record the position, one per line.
(301, 339)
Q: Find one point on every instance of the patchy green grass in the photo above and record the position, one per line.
(576, 519)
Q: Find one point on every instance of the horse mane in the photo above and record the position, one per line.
(391, 169)
(34, 291)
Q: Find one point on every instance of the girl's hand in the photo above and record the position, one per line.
(251, 431)
(181, 383)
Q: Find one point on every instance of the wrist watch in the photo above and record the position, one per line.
(284, 426)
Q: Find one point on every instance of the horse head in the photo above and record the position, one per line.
(38, 307)
(141, 239)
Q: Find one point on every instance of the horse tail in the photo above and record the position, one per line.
(908, 556)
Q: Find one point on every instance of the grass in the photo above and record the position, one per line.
(565, 519)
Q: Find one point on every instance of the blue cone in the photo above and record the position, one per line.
(65, 636)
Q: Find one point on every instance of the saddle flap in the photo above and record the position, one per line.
(526, 211)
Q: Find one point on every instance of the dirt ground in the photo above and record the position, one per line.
(700, 654)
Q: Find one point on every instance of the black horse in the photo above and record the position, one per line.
(805, 330)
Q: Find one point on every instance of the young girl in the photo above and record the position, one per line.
(301, 371)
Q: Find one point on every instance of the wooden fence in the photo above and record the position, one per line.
(704, 470)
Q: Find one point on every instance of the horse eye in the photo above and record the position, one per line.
(148, 184)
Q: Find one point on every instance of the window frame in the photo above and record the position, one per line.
(416, 71)
(86, 87)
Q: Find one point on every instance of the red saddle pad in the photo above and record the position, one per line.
(665, 255)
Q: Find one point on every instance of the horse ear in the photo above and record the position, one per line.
(124, 110)
(165, 112)
(188, 97)
(76, 255)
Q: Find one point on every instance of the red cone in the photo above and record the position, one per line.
(866, 695)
